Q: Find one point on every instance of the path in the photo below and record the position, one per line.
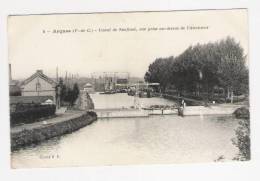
(63, 117)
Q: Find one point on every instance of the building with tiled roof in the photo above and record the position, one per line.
(39, 84)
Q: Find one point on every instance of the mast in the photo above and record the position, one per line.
(66, 77)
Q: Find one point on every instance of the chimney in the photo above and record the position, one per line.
(10, 72)
(39, 71)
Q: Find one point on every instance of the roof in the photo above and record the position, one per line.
(48, 101)
(13, 82)
(29, 99)
(39, 73)
(88, 85)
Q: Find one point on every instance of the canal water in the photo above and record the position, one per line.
(119, 141)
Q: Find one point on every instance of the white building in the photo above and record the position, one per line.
(89, 88)
(39, 85)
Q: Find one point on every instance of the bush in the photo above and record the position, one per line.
(92, 113)
(31, 114)
(242, 113)
(242, 140)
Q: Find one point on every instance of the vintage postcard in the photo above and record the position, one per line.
(124, 88)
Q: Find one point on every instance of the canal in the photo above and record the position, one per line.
(120, 141)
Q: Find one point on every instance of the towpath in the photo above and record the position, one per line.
(60, 118)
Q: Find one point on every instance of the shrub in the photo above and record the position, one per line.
(242, 113)
(242, 140)
(31, 114)
(92, 113)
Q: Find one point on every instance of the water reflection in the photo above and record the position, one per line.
(156, 139)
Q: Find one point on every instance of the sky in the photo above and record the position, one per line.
(34, 44)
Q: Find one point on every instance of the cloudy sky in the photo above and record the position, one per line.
(119, 51)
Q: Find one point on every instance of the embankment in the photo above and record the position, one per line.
(43, 132)
(211, 110)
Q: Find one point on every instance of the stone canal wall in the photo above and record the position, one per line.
(43, 132)
(222, 109)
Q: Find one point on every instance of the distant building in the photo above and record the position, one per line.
(39, 84)
(15, 100)
(110, 83)
(14, 88)
(106, 81)
(122, 81)
(89, 88)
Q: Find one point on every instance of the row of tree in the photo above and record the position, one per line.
(202, 69)
(68, 94)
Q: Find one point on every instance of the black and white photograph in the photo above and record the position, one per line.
(129, 88)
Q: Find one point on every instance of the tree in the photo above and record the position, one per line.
(233, 74)
(72, 94)
(75, 93)
(159, 72)
(63, 92)
(67, 94)
(201, 68)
